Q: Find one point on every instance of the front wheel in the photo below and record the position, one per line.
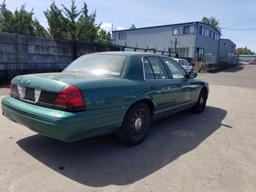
(201, 102)
(135, 125)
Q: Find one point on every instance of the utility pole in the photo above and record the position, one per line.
(112, 28)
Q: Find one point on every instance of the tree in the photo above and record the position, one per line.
(71, 18)
(56, 22)
(132, 26)
(213, 22)
(69, 23)
(20, 21)
(244, 51)
(6, 19)
(66, 23)
(87, 29)
(104, 37)
(40, 30)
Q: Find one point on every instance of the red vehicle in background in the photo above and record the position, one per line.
(253, 62)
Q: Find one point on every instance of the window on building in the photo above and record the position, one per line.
(201, 30)
(176, 31)
(217, 37)
(122, 36)
(206, 32)
(192, 29)
(211, 34)
(200, 54)
(186, 30)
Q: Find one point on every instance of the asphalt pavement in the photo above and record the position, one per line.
(212, 151)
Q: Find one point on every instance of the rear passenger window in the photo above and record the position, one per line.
(154, 68)
(149, 74)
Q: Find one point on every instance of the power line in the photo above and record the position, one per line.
(239, 23)
(248, 29)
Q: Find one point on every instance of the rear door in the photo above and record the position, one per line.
(162, 89)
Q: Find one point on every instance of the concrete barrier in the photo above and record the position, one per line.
(20, 54)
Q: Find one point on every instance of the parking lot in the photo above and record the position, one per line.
(212, 151)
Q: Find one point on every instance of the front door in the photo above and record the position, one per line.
(162, 89)
(187, 92)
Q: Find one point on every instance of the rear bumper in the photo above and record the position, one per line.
(57, 124)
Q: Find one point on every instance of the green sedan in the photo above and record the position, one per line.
(102, 93)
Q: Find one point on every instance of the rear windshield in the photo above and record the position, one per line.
(98, 64)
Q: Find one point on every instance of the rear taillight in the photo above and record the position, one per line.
(14, 91)
(11, 88)
(70, 97)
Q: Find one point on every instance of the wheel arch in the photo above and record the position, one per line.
(146, 101)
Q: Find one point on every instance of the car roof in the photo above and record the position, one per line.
(129, 53)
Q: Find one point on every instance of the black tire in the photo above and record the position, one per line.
(135, 125)
(201, 102)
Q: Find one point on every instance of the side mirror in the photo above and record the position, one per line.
(192, 74)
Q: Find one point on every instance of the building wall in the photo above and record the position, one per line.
(144, 38)
(208, 43)
(160, 38)
(227, 51)
(164, 38)
(184, 40)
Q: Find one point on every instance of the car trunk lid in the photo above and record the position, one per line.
(43, 89)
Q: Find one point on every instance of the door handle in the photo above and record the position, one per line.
(178, 85)
(153, 87)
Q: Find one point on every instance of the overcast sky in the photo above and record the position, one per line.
(231, 13)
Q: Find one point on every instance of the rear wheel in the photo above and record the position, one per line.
(201, 102)
(135, 125)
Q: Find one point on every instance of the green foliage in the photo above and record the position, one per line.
(56, 22)
(132, 26)
(87, 29)
(213, 22)
(104, 37)
(69, 23)
(65, 23)
(40, 31)
(72, 15)
(20, 21)
(244, 51)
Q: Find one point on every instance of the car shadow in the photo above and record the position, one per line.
(234, 69)
(102, 161)
(229, 69)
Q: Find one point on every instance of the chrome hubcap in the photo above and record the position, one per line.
(138, 123)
